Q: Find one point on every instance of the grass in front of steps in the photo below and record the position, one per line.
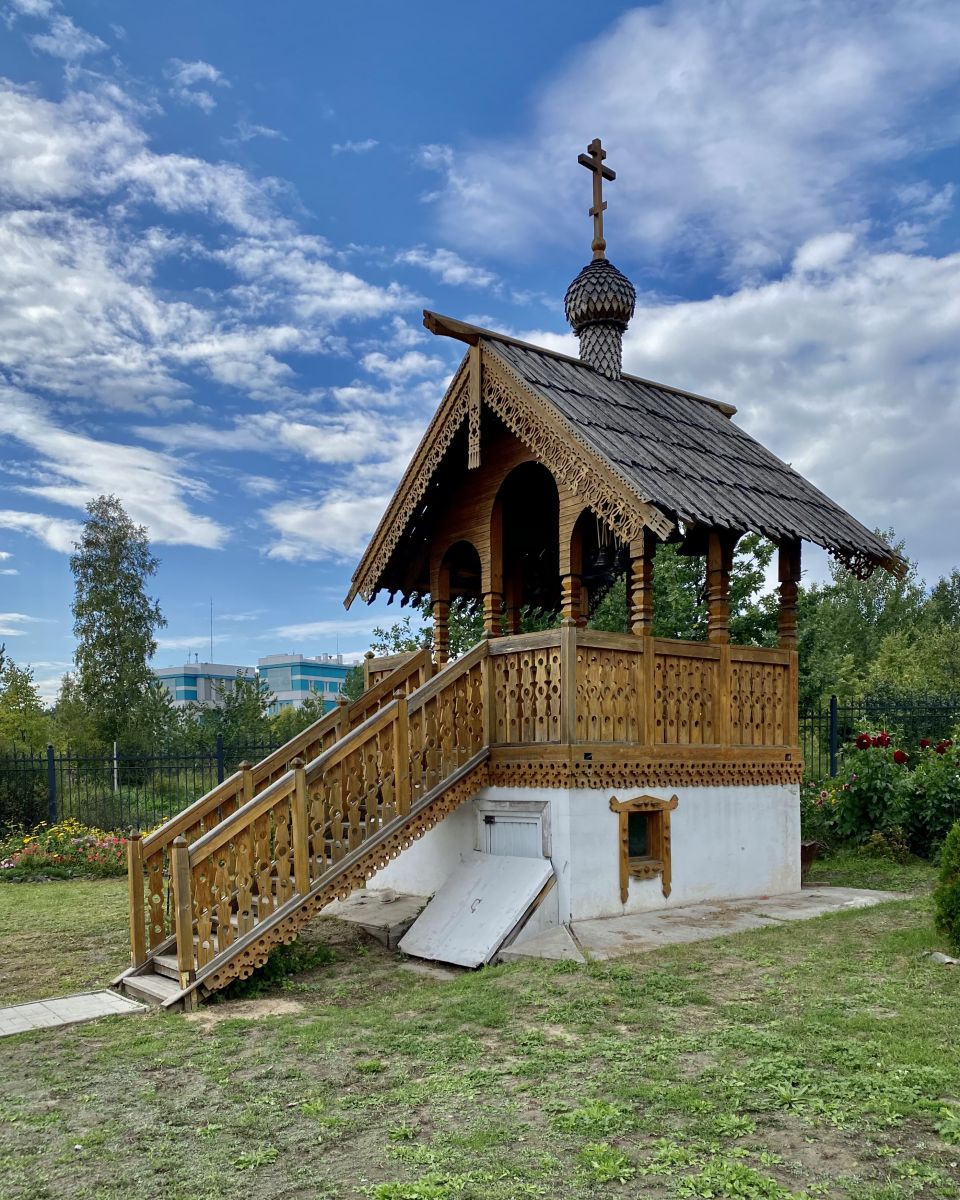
(816, 1059)
(63, 937)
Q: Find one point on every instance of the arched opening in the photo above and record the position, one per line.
(456, 601)
(528, 514)
(462, 566)
(597, 560)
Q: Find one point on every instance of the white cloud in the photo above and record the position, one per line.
(9, 571)
(32, 8)
(334, 527)
(185, 76)
(11, 622)
(246, 131)
(74, 468)
(55, 532)
(326, 629)
(448, 267)
(406, 366)
(738, 130)
(66, 40)
(363, 147)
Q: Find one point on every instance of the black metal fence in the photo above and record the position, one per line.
(825, 729)
(114, 791)
(139, 791)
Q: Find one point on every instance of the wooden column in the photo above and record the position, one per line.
(568, 682)
(789, 572)
(183, 908)
(492, 606)
(301, 834)
(640, 584)
(401, 754)
(720, 545)
(571, 582)
(441, 631)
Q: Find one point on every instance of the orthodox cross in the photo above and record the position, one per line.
(593, 161)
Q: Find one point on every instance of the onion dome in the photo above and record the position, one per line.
(599, 304)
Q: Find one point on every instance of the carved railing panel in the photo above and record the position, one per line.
(758, 703)
(609, 691)
(526, 691)
(685, 699)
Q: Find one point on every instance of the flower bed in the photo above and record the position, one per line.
(905, 798)
(67, 850)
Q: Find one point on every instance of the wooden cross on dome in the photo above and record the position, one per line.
(593, 161)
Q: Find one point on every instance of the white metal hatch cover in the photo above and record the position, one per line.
(476, 910)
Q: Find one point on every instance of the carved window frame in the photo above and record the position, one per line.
(657, 861)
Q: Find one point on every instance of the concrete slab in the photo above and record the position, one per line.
(381, 912)
(555, 943)
(65, 1010)
(613, 937)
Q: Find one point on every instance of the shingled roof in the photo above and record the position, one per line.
(683, 454)
(674, 451)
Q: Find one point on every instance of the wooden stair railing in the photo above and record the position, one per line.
(320, 829)
(149, 858)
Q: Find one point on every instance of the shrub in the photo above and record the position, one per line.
(946, 897)
(936, 798)
(876, 793)
(63, 851)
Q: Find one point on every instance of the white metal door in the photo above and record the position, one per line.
(515, 835)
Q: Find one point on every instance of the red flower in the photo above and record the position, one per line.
(925, 743)
(900, 756)
(882, 739)
(863, 741)
(944, 746)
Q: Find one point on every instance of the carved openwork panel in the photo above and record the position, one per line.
(526, 689)
(758, 700)
(609, 695)
(685, 700)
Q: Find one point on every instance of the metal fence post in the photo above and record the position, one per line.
(834, 736)
(51, 786)
(220, 765)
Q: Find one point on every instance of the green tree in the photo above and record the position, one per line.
(24, 722)
(114, 619)
(240, 711)
(288, 722)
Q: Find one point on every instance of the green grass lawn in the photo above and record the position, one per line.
(816, 1059)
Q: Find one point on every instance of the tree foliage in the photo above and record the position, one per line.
(24, 723)
(114, 619)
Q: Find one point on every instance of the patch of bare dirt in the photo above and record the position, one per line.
(244, 1010)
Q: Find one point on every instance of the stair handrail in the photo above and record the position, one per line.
(264, 800)
(293, 748)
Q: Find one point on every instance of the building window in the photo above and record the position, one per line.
(644, 840)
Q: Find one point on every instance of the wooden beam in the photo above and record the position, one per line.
(789, 574)
(640, 587)
(720, 545)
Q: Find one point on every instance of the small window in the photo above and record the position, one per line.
(638, 834)
(644, 840)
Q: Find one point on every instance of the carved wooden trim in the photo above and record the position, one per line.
(616, 771)
(433, 446)
(287, 924)
(570, 459)
(657, 861)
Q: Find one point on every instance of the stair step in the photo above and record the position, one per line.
(166, 964)
(152, 989)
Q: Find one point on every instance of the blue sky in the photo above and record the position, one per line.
(219, 224)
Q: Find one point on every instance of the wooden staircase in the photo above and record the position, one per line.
(216, 888)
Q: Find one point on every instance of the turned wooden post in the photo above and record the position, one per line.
(401, 754)
(489, 699)
(640, 584)
(571, 584)
(568, 682)
(301, 842)
(720, 544)
(367, 660)
(789, 574)
(138, 945)
(441, 632)
(182, 908)
(492, 607)
(343, 717)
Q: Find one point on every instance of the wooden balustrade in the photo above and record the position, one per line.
(152, 875)
(269, 833)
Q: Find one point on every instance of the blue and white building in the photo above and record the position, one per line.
(292, 678)
(201, 682)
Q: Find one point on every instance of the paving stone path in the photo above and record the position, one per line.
(65, 1010)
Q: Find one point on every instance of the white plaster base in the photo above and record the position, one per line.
(728, 843)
